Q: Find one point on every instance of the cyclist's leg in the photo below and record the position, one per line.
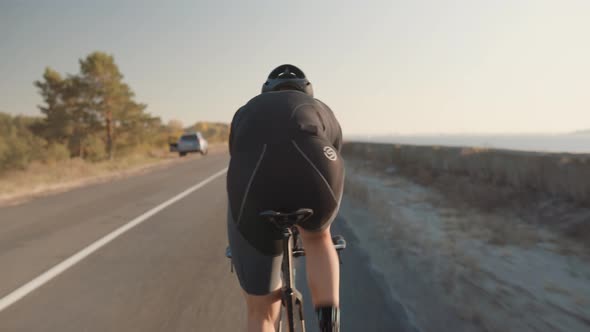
(324, 180)
(259, 276)
(322, 265)
(263, 311)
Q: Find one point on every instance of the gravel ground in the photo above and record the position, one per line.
(459, 269)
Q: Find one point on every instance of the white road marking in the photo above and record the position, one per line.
(39, 281)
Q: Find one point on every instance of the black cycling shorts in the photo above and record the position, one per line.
(304, 172)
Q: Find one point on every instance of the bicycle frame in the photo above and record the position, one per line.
(291, 297)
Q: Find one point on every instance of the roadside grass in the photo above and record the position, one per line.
(535, 209)
(41, 178)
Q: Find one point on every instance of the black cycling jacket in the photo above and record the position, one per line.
(276, 117)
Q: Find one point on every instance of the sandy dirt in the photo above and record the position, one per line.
(459, 269)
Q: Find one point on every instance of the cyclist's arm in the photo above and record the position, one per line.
(338, 141)
(233, 127)
(334, 131)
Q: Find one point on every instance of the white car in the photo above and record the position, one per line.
(192, 142)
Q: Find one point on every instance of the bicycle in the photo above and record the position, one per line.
(291, 298)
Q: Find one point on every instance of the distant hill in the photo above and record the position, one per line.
(214, 132)
(581, 132)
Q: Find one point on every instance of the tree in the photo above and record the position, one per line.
(174, 129)
(67, 120)
(104, 92)
(57, 122)
(80, 107)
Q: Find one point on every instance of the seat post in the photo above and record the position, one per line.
(288, 258)
(287, 233)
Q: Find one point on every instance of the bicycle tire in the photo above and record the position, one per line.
(298, 318)
(298, 321)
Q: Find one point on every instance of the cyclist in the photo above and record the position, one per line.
(285, 155)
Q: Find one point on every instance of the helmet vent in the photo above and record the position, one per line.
(287, 77)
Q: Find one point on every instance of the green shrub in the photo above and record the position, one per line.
(56, 152)
(94, 148)
(212, 131)
(18, 145)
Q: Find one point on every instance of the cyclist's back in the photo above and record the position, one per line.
(281, 116)
(283, 157)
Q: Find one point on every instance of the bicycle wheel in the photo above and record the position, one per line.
(291, 305)
(299, 322)
(298, 316)
(296, 308)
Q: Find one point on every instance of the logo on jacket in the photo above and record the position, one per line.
(330, 153)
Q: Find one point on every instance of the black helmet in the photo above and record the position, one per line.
(287, 77)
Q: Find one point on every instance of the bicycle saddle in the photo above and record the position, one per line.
(287, 219)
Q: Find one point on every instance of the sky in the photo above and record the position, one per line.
(384, 67)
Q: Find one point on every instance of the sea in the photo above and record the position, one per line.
(564, 143)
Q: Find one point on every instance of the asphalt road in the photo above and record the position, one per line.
(168, 273)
